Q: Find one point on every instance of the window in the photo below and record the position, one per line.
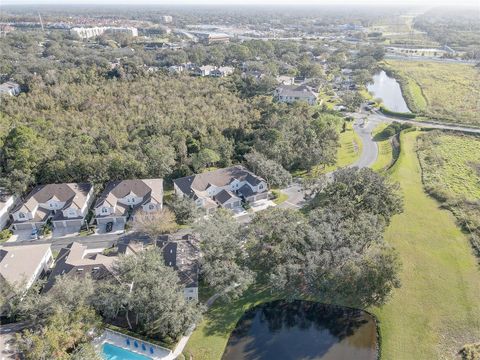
(104, 210)
(261, 186)
(21, 215)
(151, 206)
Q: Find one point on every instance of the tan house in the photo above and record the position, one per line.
(23, 264)
(65, 204)
(123, 198)
(226, 188)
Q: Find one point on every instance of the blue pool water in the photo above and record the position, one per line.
(112, 352)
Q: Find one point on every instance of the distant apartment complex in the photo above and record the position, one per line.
(90, 32)
(226, 188)
(166, 19)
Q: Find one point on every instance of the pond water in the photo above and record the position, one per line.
(303, 330)
(388, 89)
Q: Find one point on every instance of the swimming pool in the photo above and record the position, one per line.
(112, 352)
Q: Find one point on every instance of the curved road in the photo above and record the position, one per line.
(366, 122)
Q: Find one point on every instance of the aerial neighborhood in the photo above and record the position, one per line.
(239, 182)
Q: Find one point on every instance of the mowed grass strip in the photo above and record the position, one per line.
(437, 309)
(385, 151)
(443, 91)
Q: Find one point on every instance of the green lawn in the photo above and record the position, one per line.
(437, 309)
(442, 91)
(385, 151)
(280, 197)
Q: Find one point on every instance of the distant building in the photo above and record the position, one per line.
(222, 71)
(76, 260)
(166, 19)
(90, 32)
(285, 79)
(5, 29)
(226, 188)
(10, 88)
(211, 37)
(289, 94)
(203, 70)
(66, 204)
(123, 198)
(23, 264)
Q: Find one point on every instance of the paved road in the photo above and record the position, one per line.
(369, 154)
(7, 335)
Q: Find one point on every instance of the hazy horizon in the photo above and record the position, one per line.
(282, 3)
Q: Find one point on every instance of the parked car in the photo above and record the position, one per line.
(109, 226)
(34, 234)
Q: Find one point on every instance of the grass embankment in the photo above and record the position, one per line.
(442, 91)
(385, 150)
(437, 309)
(210, 338)
(451, 174)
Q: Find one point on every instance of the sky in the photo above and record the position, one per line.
(475, 3)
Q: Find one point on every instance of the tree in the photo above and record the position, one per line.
(62, 333)
(185, 210)
(326, 256)
(272, 172)
(155, 223)
(355, 191)
(224, 262)
(149, 294)
(204, 158)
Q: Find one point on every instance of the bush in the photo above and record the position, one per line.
(5, 235)
(398, 114)
(471, 352)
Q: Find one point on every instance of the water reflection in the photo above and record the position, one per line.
(303, 330)
(388, 89)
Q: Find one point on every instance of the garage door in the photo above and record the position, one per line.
(24, 226)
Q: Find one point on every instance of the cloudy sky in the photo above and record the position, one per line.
(251, 2)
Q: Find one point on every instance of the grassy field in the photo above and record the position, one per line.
(437, 309)
(441, 91)
(385, 151)
(451, 165)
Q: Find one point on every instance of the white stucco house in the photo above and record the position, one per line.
(7, 201)
(65, 204)
(121, 199)
(226, 188)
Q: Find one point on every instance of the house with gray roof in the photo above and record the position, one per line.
(22, 265)
(121, 199)
(182, 254)
(65, 204)
(292, 93)
(226, 188)
(77, 260)
(10, 88)
(7, 202)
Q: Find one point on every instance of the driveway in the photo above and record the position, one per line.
(60, 232)
(117, 229)
(295, 195)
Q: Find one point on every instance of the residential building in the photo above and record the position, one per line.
(222, 71)
(132, 31)
(183, 254)
(10, 88)
(22, 265)
(211, 37)
(203, 70)
(285, 79)
(123, 198)
(76, 260)
(87, 33)
(7, 201)
(226, 187)
(292, 93)
(65, 204)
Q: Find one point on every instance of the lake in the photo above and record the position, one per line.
(388, 89)
(303, 330)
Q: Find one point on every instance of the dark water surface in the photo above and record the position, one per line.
(388, 89)
(303, 330)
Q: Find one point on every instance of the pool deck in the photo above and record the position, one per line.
(121, 340)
